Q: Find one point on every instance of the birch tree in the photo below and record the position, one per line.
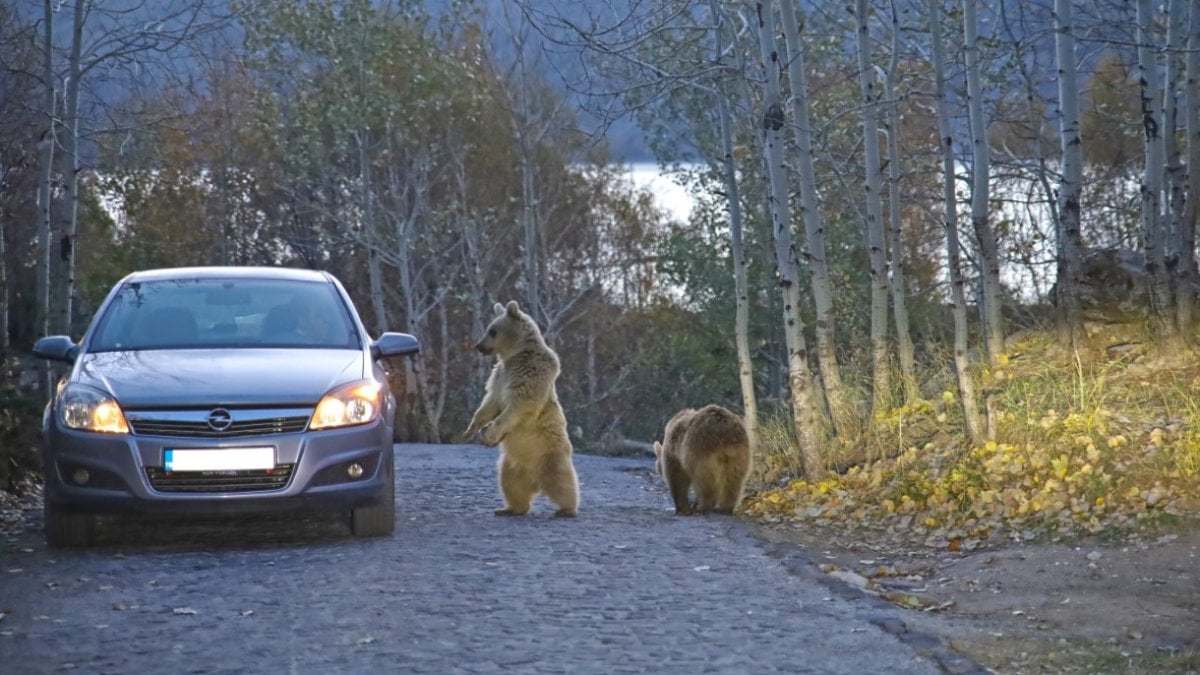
(737, 247)
(989, 250)
(815, 255)
(904, 344)
(118, 41)
(1185, 293)
(1153, 231)
(962, 361)
(876, 246)
(1070, 187)
(799, 376)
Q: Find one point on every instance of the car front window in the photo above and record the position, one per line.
(234, 313)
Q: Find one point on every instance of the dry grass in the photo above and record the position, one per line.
(1086, 442)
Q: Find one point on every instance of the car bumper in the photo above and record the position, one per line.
(124, 473)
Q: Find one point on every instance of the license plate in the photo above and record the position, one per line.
(223, 459)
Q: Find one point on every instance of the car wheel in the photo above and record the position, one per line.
(67, 529)
(378, 520)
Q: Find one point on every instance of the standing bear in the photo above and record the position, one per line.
(708, 450)
(520, 413)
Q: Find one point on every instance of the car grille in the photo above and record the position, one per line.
(219, 481)
(177, 428)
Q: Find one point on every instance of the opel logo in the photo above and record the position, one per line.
(219, 419)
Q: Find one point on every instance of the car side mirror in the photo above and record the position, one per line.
(394, 344)
(56, 348)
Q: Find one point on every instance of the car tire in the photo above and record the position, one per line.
(378, 520)
(67, 529)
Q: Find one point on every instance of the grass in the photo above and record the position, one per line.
(1086, 443)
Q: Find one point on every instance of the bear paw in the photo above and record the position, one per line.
(508, 512)
(491, 437)
(565, 513)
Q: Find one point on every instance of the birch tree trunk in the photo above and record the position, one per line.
(904, 343)
(814, 223)
(989, 251)
(962, 361)
(1173, 179)
(66, 267)
(1070, 187)
(881, 367)
(1185, 293)
(1159, 288)
(371, 231)
(45, 196)
(738, 250)
(805, 417)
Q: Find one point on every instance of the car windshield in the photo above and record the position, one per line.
(229, 313)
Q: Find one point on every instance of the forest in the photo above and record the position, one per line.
(926, 233)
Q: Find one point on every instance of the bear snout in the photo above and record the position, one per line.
(483, 349)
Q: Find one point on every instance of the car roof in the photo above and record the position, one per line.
(229, 272)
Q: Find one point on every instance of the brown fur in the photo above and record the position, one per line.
(520, 413)
(707, 450)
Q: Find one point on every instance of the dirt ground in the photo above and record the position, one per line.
(1085, 606)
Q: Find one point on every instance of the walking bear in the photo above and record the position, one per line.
(708, 450)
(520, 413)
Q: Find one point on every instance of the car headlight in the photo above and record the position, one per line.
(350, 404)
(84, 408)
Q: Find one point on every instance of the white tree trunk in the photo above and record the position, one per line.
(65, 283)
(962, 361)
(904, 343)
(825, 326)
(733, 198)
(1070, 187)
(46, 175)
(1152, 179)
(1173, 179)
(989, 251)
(799, 375)
(1185, 295)
(876, 246)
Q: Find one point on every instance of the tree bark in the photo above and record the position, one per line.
(66, 267)
(904, 343)
(962, 361)
(825, 327)
(1159, 288)
(45, 196)
(876, 246)
(799, 376)
(737, 247)
(989, 250)
(1185, 293)
(1173, 179)
(1070, 187)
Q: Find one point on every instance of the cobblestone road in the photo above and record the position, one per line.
(626, 587)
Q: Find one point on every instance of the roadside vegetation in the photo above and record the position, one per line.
(1100, 441)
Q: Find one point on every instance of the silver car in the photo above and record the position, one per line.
(220, 390)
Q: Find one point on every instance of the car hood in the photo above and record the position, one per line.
(219, 377)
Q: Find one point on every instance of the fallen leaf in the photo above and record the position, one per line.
(185, 610)
(120, 606)
(701, 568)
(246, 612)
(366, 640)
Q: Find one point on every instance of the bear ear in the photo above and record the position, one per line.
(657, 449)
(499, 309)
(514, 310)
